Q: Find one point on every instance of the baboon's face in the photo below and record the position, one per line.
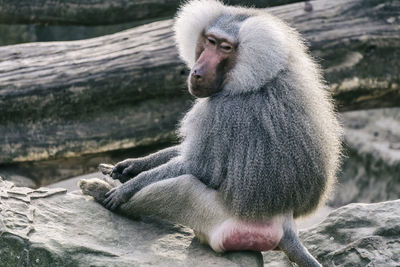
(215, 57)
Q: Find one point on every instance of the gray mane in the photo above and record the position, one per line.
(258, 149)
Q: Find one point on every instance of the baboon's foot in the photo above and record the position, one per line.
(95, 187)
(106, 169)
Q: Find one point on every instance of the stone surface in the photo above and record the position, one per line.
(49, 227)
(353, 235)
(19, 180)
(371, 164)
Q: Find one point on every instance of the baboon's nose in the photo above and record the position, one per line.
(197, 74)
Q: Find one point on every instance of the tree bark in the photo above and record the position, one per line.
(357, 43)
(65, 99)
(98, 12)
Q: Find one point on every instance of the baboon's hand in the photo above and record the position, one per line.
(115, 197)
(125, 170)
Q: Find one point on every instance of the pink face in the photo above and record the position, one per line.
(215, 57)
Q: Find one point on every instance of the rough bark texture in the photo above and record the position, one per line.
(357, 43)
(98, 12)
(66, 99)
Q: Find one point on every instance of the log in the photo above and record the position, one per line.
(357, 43)
(65, 99)
(98, 12)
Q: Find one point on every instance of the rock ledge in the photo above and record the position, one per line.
(49, 227)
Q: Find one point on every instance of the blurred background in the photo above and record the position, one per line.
(97, 81)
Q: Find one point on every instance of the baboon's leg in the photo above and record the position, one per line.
(183, 199)
(186, 200)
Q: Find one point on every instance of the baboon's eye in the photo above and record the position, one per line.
(211, 40)
(226, 47)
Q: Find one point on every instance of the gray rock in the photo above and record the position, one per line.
(353, 235)
(17, 179)
(49, 227)
(371, 167)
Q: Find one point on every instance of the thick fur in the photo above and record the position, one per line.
(269, 142)
(266, 146)
(261, 37)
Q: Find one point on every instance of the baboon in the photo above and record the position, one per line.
(259, 147)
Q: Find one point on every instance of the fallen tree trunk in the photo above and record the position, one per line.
(98, 12)
(118, 91)
(68, 98)
(357, 43)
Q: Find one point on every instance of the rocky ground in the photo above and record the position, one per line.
(353, 235)
(66, 126)
(50, 227)
(371, 164)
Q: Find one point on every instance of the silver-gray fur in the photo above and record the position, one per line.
(264, 148)
(269, 142)
(176, 200)
(260, 150)
(131, 167)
